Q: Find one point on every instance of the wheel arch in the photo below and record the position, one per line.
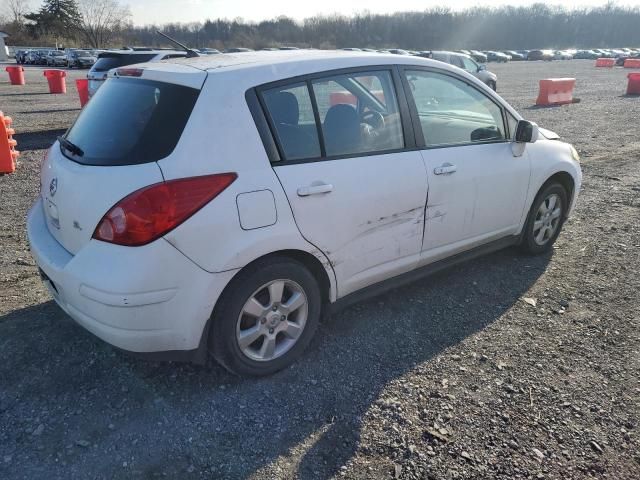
(311, 262)
(567, 181)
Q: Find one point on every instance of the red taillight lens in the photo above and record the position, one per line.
(129, 72)
(153, 211)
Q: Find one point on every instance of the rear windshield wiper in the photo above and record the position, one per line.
(72, 147)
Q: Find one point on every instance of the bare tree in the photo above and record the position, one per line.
(101, 19)
(16, 10)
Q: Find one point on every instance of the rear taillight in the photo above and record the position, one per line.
(153, 211)
(129, 72)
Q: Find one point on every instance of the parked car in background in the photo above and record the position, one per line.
(620, 59)
(478, 56)
(237, 50)
(209, 51)
(604, 53)
(465, 62)
(398, 51)
(36, 57)
(497, 57)
(312, 174)
(515, 56)
(21, 56)
(80, 59)
(585, 55)
(56, 58)
(524, 53)
(121, 58)
(562, 55)
(547, 55)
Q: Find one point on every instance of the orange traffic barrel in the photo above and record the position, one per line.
(16, 75)
(82, 84)
(56, 81)
(633, 87)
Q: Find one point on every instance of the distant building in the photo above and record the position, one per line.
(3, 48)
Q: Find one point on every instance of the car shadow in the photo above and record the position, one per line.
(38, 140)
(204, 421)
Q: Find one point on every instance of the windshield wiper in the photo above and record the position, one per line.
(72, 147)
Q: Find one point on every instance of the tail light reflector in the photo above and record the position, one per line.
(153, 211)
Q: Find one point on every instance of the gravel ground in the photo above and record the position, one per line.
(454, 377)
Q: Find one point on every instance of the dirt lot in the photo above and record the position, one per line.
(454, 377)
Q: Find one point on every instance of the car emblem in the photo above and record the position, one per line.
(53, 187)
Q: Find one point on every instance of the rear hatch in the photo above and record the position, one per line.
(112, 148)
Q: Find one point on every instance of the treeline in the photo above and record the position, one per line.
(534, 26)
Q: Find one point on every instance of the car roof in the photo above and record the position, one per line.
(290, 63)
(141, 52)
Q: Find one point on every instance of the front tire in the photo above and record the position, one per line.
(546, 218)
(266, 317)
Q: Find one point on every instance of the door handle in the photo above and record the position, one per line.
(315, 189)
(445, 169)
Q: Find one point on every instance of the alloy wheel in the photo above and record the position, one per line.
(272, 320)
(547, 219)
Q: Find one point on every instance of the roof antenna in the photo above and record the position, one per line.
(190, 53)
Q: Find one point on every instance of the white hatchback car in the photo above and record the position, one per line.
(222, 204)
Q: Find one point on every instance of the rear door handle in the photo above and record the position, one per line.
(445, 169)
(315, 189)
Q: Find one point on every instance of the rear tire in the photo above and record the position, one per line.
(266, 317)
(546, 218)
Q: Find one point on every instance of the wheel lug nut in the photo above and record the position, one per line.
(274, 308)
(282, 318)
(263, 320)
(271, 330)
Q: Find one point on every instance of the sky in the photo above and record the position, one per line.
(163, 11)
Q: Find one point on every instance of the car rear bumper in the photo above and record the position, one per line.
(140, 299)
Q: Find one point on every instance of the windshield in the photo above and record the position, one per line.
(130, 121)
(82, 53)
(107, 62)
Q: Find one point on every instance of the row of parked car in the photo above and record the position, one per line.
(70, 58)
(520, 55)
(85, 58)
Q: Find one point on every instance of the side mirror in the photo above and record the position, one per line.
(526, 132)
(482, 67)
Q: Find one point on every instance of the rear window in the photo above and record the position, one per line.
(130, 121)
(107, 62)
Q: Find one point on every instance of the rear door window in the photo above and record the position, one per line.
(359, 113)
(293, 120)
(130, 121)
